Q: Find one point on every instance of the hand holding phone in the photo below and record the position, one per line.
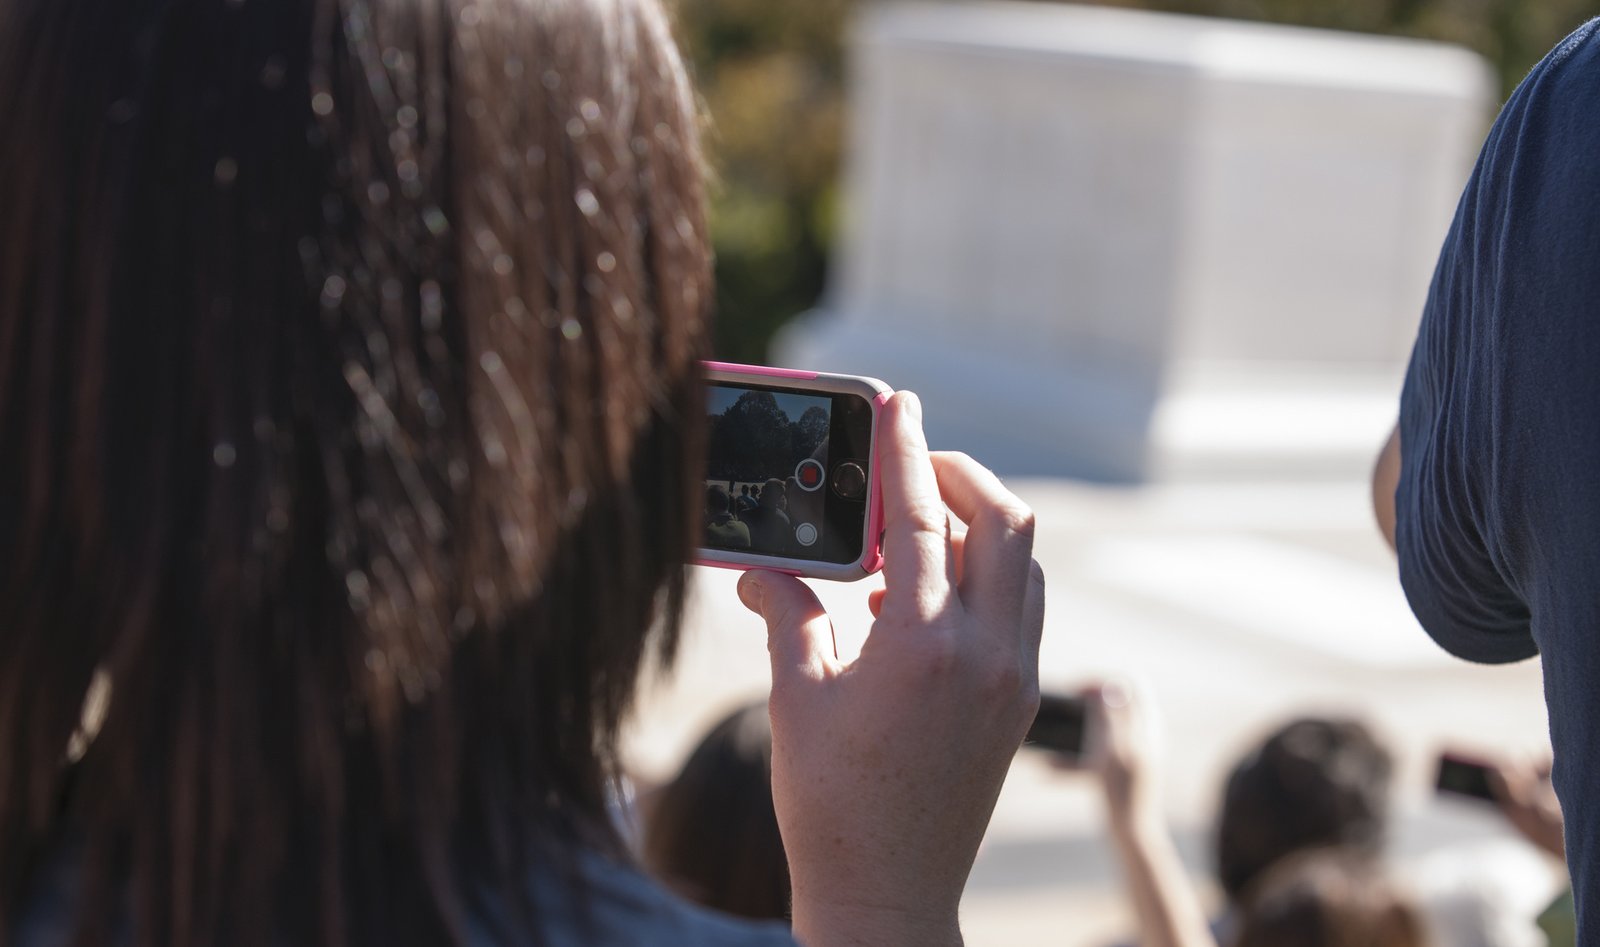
(1103, 730)
(1520, 790)
(885, 769)
(791, 472)
(1122, 754)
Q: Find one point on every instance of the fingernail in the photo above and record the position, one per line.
(750, 592)
(1114, 693)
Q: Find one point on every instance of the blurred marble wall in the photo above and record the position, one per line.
(1121, 245)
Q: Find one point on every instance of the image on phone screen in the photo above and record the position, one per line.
(786, 472)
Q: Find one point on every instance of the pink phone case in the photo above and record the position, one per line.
(876, 393)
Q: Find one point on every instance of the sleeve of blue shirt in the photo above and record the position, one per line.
(1498, 507)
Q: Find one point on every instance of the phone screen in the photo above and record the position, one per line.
(1464, 778)
(1060, 725)
(786, 472)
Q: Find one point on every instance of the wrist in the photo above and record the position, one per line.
(1137, 824)
(1135, 814)
(829, 922)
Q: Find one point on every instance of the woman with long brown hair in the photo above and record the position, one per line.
(349, 462)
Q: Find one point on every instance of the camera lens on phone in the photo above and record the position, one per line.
(849, 480)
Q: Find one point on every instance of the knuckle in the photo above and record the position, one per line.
(1018, 518)
(1015, 518)
(928, 519)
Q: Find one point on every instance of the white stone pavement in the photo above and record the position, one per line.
(1233, 605)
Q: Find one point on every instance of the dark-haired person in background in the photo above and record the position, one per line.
(1312, 783)
(351, 439)
(710, 834)
(1328, 898)
(1487, 489)
(1314, 787)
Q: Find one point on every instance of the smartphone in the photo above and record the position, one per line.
(1462, 776)
(1060, 725)
(791, 472)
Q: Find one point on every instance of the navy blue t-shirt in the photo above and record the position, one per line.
(1498, 507)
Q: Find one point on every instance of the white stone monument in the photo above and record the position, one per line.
(1120, 245)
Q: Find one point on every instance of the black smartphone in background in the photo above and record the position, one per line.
(1460, 776)
(1061, 725)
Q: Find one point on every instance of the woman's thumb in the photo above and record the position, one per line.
(799, 633)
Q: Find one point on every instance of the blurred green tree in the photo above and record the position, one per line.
(772, 76)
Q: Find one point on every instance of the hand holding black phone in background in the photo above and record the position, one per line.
(1520, 790)
(1110, 729)
(1100, 729)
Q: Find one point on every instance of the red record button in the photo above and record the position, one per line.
(809, 474)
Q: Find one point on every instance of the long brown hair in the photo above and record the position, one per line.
(349, 432)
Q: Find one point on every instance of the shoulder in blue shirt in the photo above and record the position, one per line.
(1498, 507)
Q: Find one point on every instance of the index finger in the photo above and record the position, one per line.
(918, 567)
(998, 558)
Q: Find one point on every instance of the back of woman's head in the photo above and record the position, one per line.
(1313, 782)
(349, 411)
(1327, 898)
(712, 834)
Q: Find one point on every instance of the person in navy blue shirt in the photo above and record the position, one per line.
(1489, 489)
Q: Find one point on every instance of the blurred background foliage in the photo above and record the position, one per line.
(771, 73)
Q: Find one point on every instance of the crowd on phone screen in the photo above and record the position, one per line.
(761, 515)
(1299, 846)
